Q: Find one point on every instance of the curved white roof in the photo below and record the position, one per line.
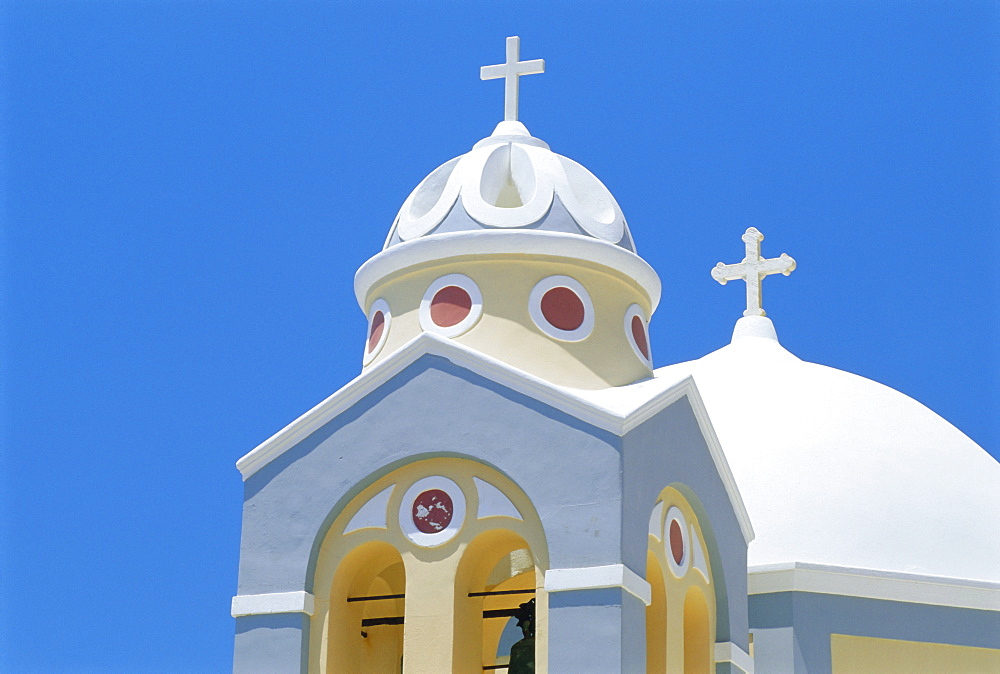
(511, 180)
(836, 469)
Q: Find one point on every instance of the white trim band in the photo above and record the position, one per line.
(872, 584)
(273, 602)
(481, 243)
(598, 577)
(727, 651)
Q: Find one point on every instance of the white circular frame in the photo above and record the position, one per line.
(632, 311)
(675, 514)
(383, 306)
(475, 311)
(410, 529)
(535, 308)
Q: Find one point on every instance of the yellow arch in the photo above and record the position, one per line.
(697, 633)
(681, 620)
(481, 569)
(371, 569)
(438, 615)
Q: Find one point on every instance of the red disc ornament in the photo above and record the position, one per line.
(450, 306)
(563, 308)
(375, 334)
(639, 336)
(676, 542)
(432, 511)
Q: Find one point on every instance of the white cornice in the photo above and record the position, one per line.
(727, 651)
(274, 602)
(505, 242)
(599, 577)
(872, 584)
(616, 410)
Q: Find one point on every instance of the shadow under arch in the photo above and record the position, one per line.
(698, 641)
(372, 569)
(498, 572)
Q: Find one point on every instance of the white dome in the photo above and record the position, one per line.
(511, 180)
(837, 469)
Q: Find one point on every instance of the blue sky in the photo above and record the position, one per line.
(188, 188)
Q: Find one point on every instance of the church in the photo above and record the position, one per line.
(509, 485)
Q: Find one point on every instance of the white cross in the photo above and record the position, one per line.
(511, 71)
(753, 269)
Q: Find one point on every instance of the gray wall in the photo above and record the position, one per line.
(272, 643)
(570, 471)
(667, 450)
(573, 473)
(795, 627)
(596, 631)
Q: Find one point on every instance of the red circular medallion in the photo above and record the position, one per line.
(639, 335)
(450, 306)
(375, 334)
(432, 511)
(676, 542)
(563, 308)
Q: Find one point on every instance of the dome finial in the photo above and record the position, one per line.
(511, 72)
(753, 269)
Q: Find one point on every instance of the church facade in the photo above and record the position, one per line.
(508, 485)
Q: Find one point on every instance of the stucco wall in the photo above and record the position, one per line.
(670, 449)
(795, 628)
(572, 472)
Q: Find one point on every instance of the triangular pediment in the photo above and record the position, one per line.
(615, 410)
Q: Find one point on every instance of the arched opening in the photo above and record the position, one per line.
(680, 620)
(656, 618)
(497, 574)
(396, 568)
(365, 632)
(697, 637)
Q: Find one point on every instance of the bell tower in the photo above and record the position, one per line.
(506, 486)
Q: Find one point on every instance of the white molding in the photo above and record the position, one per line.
(591, 407)
(273, 602)
(873, 584)
(727, 651)
(510, 155)
(505, 242)
(598, 577)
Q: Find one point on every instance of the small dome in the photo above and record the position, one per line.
(840, 470)
(511, 180)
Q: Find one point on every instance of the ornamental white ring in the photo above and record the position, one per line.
(475, 311)
(409, 527)
(379, 305)
(535, 308)
(632, 312)
(674, 514)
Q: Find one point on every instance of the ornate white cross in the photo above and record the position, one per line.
(753, 269)
(511, 71)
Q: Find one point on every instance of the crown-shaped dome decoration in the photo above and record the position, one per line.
(511, 180)
(518, 253)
